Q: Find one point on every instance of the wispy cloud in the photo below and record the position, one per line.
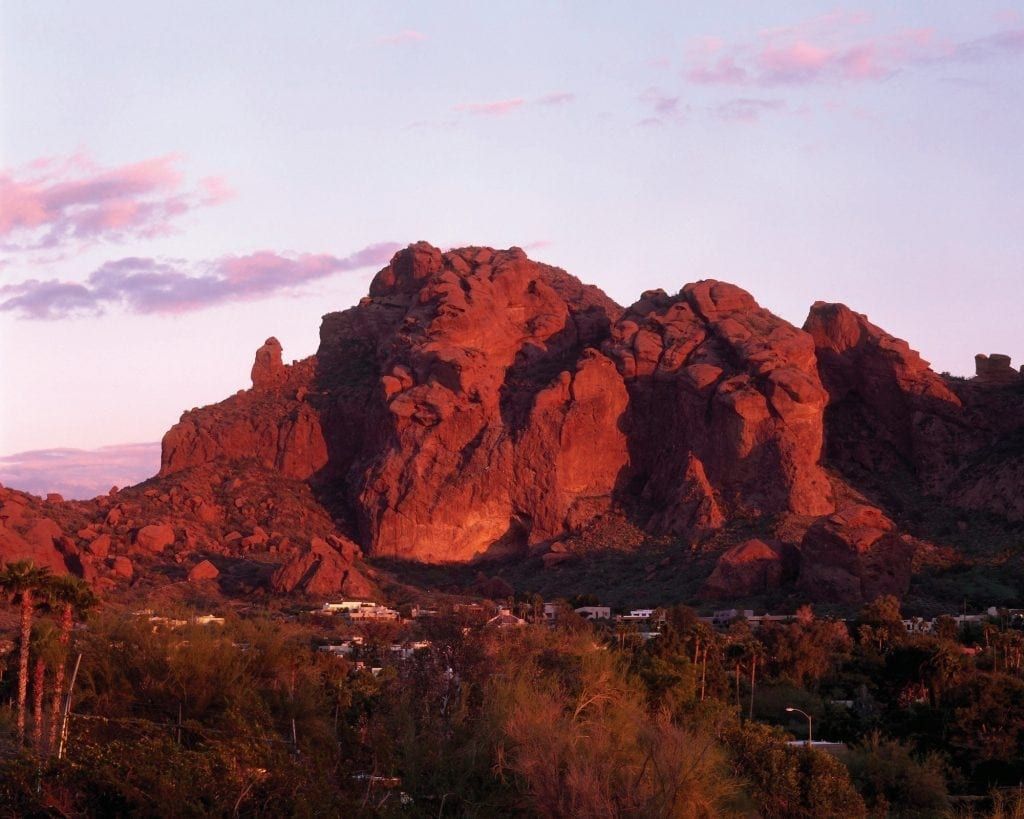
(662, 106)
(499, 108)
(834, 48)
(746, 109)
(56, 203)
(144, 285)
(557, 98)
(496, 108)
(80, 473)
(403, 37)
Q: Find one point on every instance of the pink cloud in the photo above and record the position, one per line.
(404, 37)
(147, 286)
(59, 202)
(80, 473)
(832, 48)
(494, 109)
(556, 98)
(662, 106)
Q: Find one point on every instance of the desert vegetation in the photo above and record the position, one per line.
(249, 718)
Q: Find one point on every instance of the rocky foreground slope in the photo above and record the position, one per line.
(479, 404)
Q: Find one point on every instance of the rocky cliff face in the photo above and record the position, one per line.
(479, 404)
(897, 429)
(725, 413)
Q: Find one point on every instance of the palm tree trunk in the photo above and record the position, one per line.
(26, 635)
(66, 624)
(39, 680)
(753, 674)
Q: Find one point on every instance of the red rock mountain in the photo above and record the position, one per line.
(480, 404)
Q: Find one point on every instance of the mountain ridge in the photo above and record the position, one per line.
(477, 404)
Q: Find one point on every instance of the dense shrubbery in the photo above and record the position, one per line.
(571, 721)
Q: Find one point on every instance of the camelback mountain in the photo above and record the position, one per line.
(480, 405)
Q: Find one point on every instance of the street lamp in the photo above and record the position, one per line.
(797, 710)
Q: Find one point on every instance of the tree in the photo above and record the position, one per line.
(20, 580)
(72, 595)
(889, 776)
(786, 782)
(881, 624)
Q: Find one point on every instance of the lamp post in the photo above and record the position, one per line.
(797, 710)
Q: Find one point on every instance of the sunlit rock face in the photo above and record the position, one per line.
(477, 403)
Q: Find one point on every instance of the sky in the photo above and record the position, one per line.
(180, 181)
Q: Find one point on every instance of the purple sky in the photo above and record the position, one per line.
(180, 181)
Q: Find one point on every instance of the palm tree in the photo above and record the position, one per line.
(21, 579)
(72, 595)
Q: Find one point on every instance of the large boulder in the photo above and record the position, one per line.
(155, 538)
(854, 556)
(26, 533)
(204, 570)
(749, 568)
(320, 571)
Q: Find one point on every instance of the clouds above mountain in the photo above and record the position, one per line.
(68, 202)
(153, 286)
(80, 473)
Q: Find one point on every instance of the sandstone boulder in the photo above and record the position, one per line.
(748, 568)
(99, 546)
(204, 570)
(854, 556)
(320, 571)
(155, 538)
(123, 567)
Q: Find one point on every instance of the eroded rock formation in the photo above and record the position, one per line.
(479, 404)
(995, 369)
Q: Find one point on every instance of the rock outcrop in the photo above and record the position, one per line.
(28, 533)
(854, 555)
(750, 568)
(899, 430)
(886, 406)
(996, 370)
(725, 412)
(271, 424)
(479, 404)
(323, 570)
(491, 421)
(268, 370)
